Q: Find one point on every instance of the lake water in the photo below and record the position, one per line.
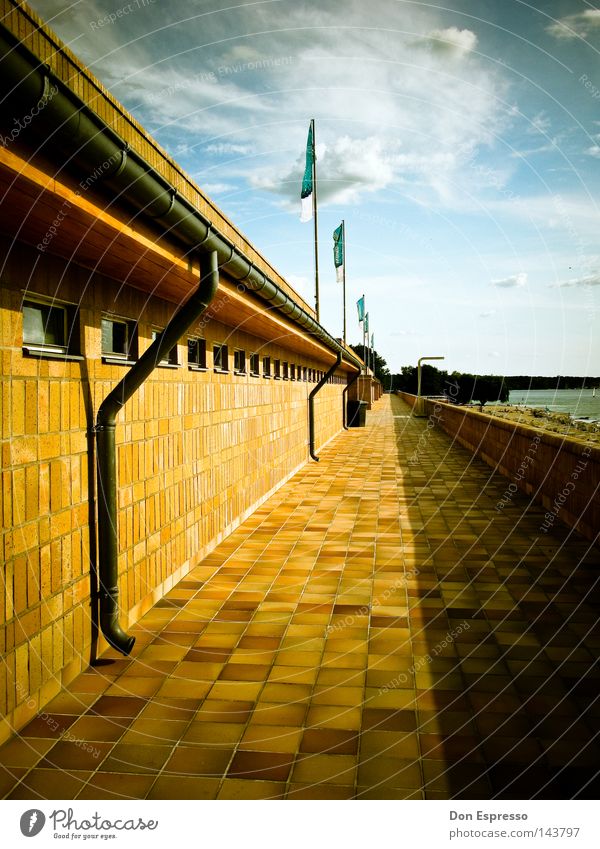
(579, 402)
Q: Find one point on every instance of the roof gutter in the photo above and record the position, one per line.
(88, 144)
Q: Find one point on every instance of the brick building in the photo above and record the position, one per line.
(104, 240)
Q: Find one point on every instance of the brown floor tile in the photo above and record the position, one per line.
(131, 757)
(184, 787)
(329, 741)
(99, 728)
(319, 791)
(10, 777)
(154, 731)
(271, 738)
(24, 752)
(49, 725)
(237, 788)
(380, 770)
(197, 760)
(50, 784)
(261, 766)
(115, 785)
(75, 755)
(376, 719)
(121, 706)
(334, 769)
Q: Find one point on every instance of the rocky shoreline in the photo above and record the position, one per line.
(560, 423)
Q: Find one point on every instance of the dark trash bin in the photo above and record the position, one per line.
(357, 413)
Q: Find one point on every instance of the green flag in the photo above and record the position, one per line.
(306, 194)
(339, 252)
(360, 306)
(366, 325)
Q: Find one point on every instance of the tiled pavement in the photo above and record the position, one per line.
(375, 630)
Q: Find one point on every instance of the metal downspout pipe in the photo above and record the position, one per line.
(108, 549)
(345, 400)
(311, 405)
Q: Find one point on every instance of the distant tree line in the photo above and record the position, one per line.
(464, 388)
(561, 381)
(458, 387)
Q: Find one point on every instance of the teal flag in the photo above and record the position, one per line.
(366, 325)
(338, 252)
(306, 193)
(360, 306)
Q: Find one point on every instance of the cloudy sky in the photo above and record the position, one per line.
(460, 143)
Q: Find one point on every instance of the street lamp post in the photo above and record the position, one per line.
(419, 406)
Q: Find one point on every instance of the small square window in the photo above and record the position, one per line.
(119, 338)
(196, 354)
(50, 328)
(277, 369)
(239, 362)
(254, 364)
(286, 371)
(267, 366)
(171, 358)
(220, 358)
(292, 371)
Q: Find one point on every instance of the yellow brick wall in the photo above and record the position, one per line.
(197, 452)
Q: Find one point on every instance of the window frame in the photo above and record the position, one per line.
(255, 364)
(277, 369)
(266, 367)
(71, 347)
(223, 350)
(201, 342)
(239, 354)
(130, 355)
(172, 358)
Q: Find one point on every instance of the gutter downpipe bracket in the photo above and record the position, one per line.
(311, 405)
(108, 566)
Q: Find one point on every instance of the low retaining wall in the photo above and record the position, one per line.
(561, 473)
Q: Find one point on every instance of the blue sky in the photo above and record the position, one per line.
(460, 143)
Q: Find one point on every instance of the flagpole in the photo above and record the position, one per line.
(363, 330)
(344, 274)
(314, 200)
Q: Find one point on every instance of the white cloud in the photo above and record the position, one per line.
(514, 281)
(540, 123)
(594, 150)
(592, 279)
(449, 42)
(218, 188)
(227, 148)
(579, 25)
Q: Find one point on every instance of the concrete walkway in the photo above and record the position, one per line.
(375, 630)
